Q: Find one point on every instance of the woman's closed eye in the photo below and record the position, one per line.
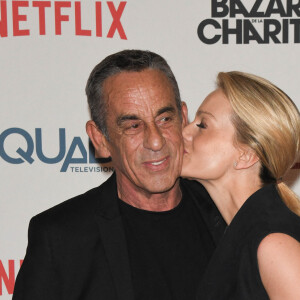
(201, 125)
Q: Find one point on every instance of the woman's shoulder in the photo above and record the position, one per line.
(278, 257)
(278, 244)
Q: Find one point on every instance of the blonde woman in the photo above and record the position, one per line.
(244, 138)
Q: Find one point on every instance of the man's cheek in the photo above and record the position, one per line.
(175, 130)
(173, 135)
(133, 143)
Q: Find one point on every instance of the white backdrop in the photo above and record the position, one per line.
(42, 79)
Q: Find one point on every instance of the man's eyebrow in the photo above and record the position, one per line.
(199, 112)
(123, 118)
(163, 110)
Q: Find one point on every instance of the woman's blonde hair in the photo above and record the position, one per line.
(268, 121)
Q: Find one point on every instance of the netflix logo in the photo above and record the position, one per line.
(62, 12)
(8, 272)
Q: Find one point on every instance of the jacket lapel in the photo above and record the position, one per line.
(113, 237)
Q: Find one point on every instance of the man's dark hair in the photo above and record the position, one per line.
(124, 61)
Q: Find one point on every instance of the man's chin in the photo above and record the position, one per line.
(161, 186)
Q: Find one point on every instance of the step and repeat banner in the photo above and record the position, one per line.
(47, 50)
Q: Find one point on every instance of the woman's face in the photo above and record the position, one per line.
(210, 153)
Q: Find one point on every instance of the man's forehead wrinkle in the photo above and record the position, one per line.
(138, 95)
(128, 94)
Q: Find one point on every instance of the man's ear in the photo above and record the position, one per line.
(247, 158)
(98, 139)
(184, 114)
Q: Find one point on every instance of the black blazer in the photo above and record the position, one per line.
(77, 249)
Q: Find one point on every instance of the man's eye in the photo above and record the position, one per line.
(166, 119)
(201, 125)
(134, 126)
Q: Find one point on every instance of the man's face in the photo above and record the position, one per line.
(144, 128)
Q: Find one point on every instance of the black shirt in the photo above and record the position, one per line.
(168, 251)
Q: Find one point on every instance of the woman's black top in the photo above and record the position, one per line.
(233, 270)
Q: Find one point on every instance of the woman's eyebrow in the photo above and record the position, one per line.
(199, 112)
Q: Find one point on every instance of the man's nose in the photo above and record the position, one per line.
(153, 138)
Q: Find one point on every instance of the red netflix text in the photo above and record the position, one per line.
(8, 272)
(62, 12)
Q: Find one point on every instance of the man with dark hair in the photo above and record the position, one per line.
(124, 61)
(143, 234)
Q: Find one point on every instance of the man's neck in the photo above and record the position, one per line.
(142, 199)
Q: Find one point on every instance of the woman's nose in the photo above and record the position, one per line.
(186, 133)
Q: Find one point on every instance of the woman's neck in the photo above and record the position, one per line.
(230, 194)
